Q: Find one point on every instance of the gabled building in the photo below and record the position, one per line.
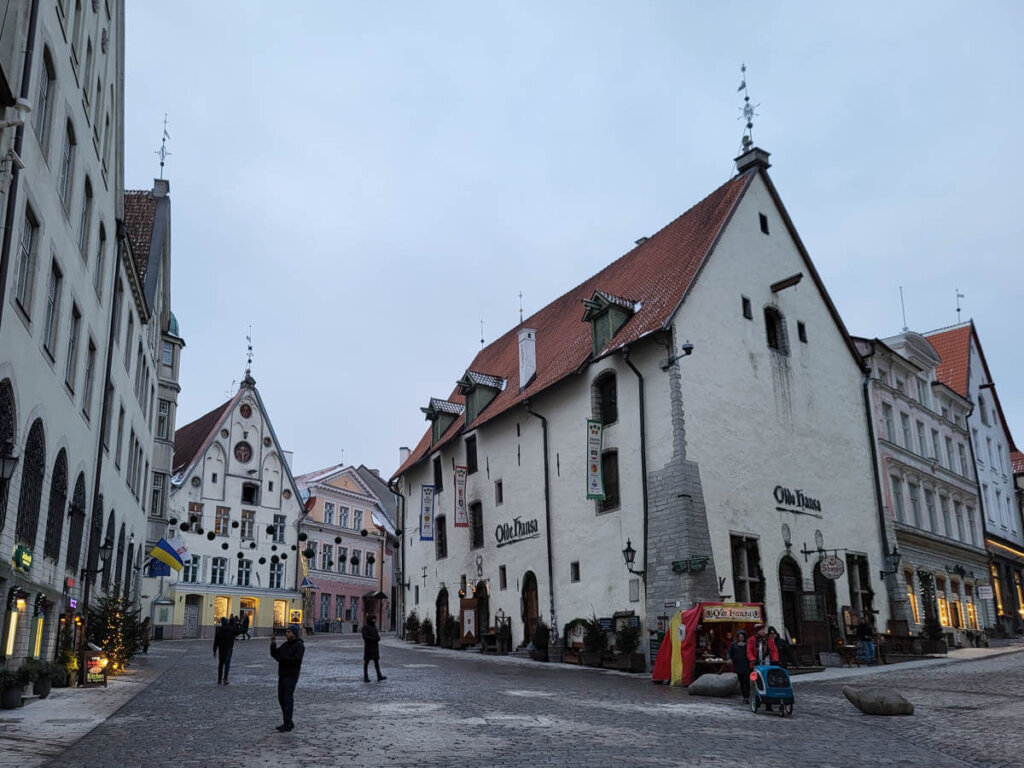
(964, 370)
(739, 472)
(235, 506)
(929, 491)
(346, 551)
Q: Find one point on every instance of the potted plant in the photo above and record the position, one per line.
(572, 637)
(595, 641)
(427, 632)
(412, 627)
(627, 640)
(541, 639)
(40, 674)
(12, 684)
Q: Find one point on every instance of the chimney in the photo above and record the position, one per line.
(403, 455)
(527, 357)
(161, 188)
(755, 157)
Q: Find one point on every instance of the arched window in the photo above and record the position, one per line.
(119, 565)
(110, 558)
(606, 399)
(775, 328)
(55, 515)
(7, 422)
(33, 467)
(76, 528)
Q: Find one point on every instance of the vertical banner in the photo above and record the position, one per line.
(426, 513)
(595, 482)
(461, 517)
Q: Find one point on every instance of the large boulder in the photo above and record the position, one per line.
(878, 701)
(725, 684)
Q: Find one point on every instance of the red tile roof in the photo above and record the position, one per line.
(656, 275)
(139, 214)
(190, 439)
(1017, 460)
(954, 348)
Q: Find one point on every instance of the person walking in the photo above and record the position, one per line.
(761, 650)
(224, 643)
(289, 661)
(371, 648)
(781, 646)
(740, 664)
(866, 636)
(144, 631)
(245, 627)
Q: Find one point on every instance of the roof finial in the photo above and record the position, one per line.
(481, 333)
(958, 297)
(903, 307)
(746, 111)
(248, 380)
(520, 306)
(162, 152)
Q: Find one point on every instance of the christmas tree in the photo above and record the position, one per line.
(114, 627)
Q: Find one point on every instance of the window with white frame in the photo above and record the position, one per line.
(168, 354)
(156, 506)
(890, 425)
(946, 524)
(218, 570)
(248, 531)
(369, 566)
(71, 361)
(325, 607)
(958, 515)
(326, 557)
(328, 513)
(26, 261)
(908, 441)
(276, 575)
(922, 392)
(222, 521)
(922, 445)
(963, 459)
(929, 505)
(936, 453)
(342, 559)
(357, 519)
(244, 572)
(278, 535)
(163, 415)
(52, 317)
(915, 503)
(343, 517)
(972, 531)
(748, 580)
(339, 607)
(950, 460)
(190, 570)
(897, 499)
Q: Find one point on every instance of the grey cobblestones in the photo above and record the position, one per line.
(445, 708)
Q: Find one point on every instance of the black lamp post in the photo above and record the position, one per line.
(8, 463)
(629, 555)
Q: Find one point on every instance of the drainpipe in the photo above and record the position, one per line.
(547, 513)
(400, 615)
(19, 137)
(880, 506)
(643, 450)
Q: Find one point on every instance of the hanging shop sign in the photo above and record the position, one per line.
(985, 591)
(733, 612)
(595, 482)
(426, 513)
(461, 517)
(517, 530)
(796, 501)
(22, 559)
(831, 567)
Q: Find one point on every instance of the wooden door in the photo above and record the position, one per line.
(192, 616)
(530, 612)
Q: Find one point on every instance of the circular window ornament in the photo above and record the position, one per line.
(223, 433)
(245, 410)
(196, 481)
(243, 452)
(286, 493)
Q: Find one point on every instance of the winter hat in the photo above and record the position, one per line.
(295, 630)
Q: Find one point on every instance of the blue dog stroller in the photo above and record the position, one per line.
(771, 686)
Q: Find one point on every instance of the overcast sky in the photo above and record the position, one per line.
(364, 183)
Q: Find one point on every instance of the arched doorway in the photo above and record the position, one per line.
(441, 610)
(531, 614)
(791, 586)
(820, 624)
(483, 606)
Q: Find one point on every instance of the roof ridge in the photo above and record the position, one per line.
(945, 329)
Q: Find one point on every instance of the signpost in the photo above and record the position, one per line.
(831, 567)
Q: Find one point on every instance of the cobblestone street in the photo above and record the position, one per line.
(449, 708)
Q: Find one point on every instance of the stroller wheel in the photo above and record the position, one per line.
(785, 710)
(754, 703)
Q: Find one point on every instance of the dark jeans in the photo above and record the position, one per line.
(286, 697)
(223, 664)
(366, 668)
(744, 678)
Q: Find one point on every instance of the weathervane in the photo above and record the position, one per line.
(162, 152)
(481, 333)
(248, 354)
(520, 306)
(747, 110)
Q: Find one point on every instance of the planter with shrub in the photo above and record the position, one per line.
(427, 632)
(412, 627)
(12, 685)
(541, 639)
(595, 642)
(40, 674)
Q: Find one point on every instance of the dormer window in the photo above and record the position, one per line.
(441, 414)
(479, 389)
(606, 315)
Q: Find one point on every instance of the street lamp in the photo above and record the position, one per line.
(629, 555)
(8, 462)
(106, 548)
(894, 558)
(669, 362)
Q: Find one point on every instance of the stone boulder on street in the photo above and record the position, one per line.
(725, 684)
(878, 701)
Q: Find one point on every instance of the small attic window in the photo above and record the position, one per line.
(764, 222)
(801, 331)
(775, 330)
(748, 312)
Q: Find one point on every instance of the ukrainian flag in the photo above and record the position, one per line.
(174, 556)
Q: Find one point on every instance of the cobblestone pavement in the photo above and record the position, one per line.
(448, 708)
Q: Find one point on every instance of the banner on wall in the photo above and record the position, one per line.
(595, 482)
(461, 517)
(426, 513)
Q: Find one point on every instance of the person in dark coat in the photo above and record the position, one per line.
(289, 661)
(740, 664)
(224, 642)
(782, 646)
(144, 631)
(371, 648)
(245, 627)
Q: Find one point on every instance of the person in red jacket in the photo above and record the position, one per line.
(761, 648)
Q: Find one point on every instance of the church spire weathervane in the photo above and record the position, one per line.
(747, 111)
(248, 380)
(162, 152)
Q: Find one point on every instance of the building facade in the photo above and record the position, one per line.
(346, 554)
(75, 324)
(964, 370)
(235, 506)
(739, 472)
(929, 491)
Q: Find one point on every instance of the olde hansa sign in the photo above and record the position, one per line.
(737, 612)
(796, 501)
(517, 530)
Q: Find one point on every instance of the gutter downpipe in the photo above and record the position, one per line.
(547, 515)
(643, 451)
(400, 615)
(19, 137)
(878, 482)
